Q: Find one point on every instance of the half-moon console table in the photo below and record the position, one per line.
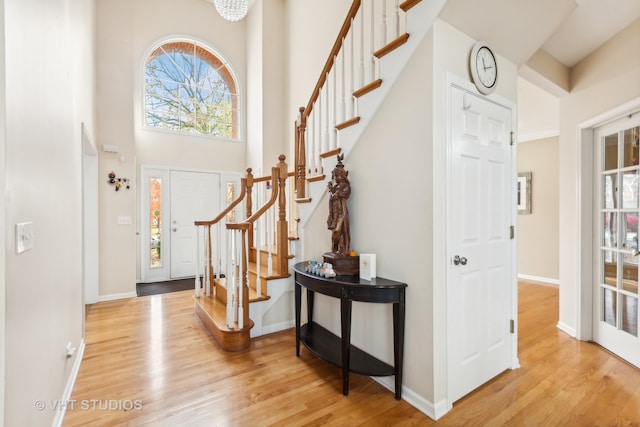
(338, 350)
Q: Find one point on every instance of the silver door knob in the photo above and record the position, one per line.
(459, 260)
(174, 229)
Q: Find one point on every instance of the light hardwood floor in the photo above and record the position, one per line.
(153, 356)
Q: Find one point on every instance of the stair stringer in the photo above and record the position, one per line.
(420, 19)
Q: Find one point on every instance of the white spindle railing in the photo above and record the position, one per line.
(370, 26)
(261, 237)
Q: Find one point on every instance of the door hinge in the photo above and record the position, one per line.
(512, 326)
(512, 232)
(513, 137)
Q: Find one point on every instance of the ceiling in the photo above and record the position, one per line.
(589, 26)
(568, 30)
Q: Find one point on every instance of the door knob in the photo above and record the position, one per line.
(174, 229)
(459, 260)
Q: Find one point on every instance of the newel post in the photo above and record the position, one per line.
(248, 200)
(300, 154)
(282, 226)
(249, 204)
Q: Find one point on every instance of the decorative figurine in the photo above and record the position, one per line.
(338, 221)
(343, 260)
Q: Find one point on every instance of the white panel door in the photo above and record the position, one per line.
(195, 196)
(481, 276)
(616, 308)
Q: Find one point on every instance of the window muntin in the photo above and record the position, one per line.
(190, 89)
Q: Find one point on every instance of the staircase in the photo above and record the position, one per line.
(246, 263)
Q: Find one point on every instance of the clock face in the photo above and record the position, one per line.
(484, 69)
(486, 66)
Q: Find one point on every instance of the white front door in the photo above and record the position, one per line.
(171, 201)
(481, 284)
(615, 298)
(195, 196)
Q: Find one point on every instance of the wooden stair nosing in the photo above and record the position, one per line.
(408, 4)
(367, 88)
(346, 124)
(390, 47)
(315, 178)
(213, 314)
(330, 153)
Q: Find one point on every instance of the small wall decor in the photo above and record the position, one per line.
(118, 182)
(524, 193)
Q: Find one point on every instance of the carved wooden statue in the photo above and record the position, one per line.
(338, 221)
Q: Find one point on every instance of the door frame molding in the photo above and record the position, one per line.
(143, 220)
(586, 168)
(452, 81)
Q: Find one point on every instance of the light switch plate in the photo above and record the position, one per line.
(24, 236)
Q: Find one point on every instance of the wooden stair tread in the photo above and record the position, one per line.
(346, 124)
(368, 88)
(408, 4)
(390, 47)
(315, 178)
(213, 314)
(221, 293)
(264, 272)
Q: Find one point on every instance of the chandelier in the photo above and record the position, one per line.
(232, 10)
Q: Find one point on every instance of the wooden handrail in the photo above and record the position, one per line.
(346, 26)
(232, 205)
(274, 196)
(276, 172)
(300, 126)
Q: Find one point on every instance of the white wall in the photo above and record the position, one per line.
(306, 55)
(267, 89)
(538, 232)
(597, 87)
(126, 31)
(3, 283)
(49, 93)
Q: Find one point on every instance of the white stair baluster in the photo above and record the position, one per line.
(270, 240)
(372, 42)
(396, 9)
(231, 281)
(343, 83)
(352, 68)
(197, 279)
(383, 23)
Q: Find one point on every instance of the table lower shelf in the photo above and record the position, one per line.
(328, 347)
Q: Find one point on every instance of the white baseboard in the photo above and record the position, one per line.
(431, 410)
(277, 327)
(66, 395)
(565, 328)
(541, 280)
(112, 297)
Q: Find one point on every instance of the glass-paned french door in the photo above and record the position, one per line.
(617, 210)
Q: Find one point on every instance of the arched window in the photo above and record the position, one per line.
(190, 89)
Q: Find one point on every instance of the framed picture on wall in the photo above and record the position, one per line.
(524, 192)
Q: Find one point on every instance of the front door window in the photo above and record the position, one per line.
(155, 222)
